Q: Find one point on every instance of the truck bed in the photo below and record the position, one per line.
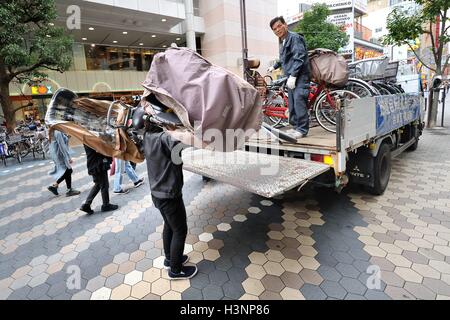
(317, 140)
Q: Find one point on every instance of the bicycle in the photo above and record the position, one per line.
(323, 102)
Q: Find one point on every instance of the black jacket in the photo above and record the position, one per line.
(164, 165)
(96, 162)
(294, 59)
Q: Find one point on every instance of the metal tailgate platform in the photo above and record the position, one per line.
(263, 174)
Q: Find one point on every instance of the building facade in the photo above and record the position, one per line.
(115, 41)
(348, 15)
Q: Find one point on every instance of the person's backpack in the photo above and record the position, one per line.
(328, 67)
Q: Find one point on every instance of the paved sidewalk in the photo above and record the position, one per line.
(314, 245)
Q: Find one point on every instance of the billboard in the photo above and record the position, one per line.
(345, 20)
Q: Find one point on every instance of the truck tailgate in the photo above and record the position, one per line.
(263, 174)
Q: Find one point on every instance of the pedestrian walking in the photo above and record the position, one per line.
(120, 167)
(60, 153)
(98, 166)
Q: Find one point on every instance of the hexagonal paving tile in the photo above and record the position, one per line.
(101, 294)
(273, 268)
(253, 286)
(121, 292)
(255, 271)
(133, 277)
(258, 258)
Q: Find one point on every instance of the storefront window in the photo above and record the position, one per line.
(116, 58)
(365, 53)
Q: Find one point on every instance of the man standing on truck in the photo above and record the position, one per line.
(295, 64)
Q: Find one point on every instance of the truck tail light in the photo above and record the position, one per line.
(326, 159)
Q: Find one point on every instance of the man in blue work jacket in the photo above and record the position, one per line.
(295, 64)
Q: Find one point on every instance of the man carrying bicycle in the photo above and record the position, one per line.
(295, 64)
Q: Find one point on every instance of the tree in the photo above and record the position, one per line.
(318, 32)
(29, 44)
(405, 26)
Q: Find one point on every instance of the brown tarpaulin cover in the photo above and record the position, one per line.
(208, 99)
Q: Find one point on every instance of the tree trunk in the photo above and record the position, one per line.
(7, 106)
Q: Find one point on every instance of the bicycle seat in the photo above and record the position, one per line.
(253, 63)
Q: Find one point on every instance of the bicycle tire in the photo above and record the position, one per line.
(24, 148)
(360, 87)
(39, 149)
(386, 87)
(383, 91)
(271, 120)
(323, 110)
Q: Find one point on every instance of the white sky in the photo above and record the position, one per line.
(291, 6)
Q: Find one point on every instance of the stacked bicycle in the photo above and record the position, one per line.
(370, 77)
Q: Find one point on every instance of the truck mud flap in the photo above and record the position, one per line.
(262, 174)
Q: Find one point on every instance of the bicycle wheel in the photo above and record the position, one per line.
(360, 87)
(39, 148)
(23, 148)
(14, 151)
(383, 91)
(277, 100)
(326, 108)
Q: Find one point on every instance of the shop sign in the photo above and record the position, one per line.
(340, 4)
(293, 19)
(345, 20)
(41, 90)
(364, 53)
(361, 5)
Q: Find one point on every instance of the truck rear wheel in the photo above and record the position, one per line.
(415, 134)
(381, 170)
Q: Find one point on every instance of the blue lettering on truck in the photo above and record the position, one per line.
(396, 111)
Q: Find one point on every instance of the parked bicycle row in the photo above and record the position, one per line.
(23, 142)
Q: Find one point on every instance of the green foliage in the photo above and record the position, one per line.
(28, 43)
(405, 27)
(318, 32)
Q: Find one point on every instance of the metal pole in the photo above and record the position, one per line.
(443, 106)
(353, 24)
(244, 37)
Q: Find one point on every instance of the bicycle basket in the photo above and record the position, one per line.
(391, 71)
(369, 69)
(14, 138)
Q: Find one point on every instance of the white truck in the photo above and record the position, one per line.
(369, 133)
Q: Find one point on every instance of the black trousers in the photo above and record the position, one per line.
(173, 212)
(101, 183)
(68, 177)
